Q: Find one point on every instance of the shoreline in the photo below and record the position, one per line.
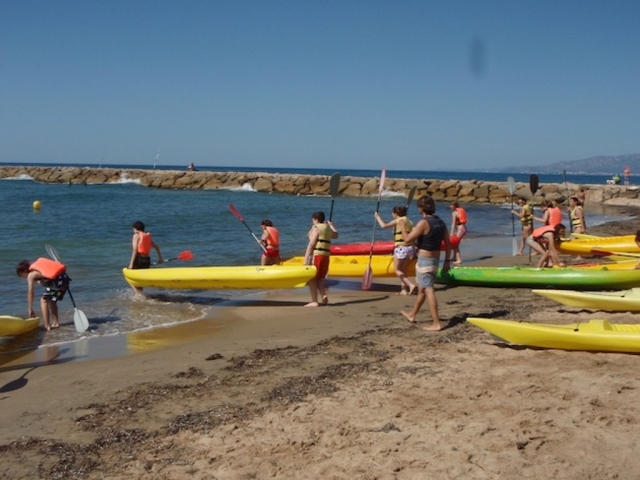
(346, 391)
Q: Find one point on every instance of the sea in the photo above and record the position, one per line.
(89, 227)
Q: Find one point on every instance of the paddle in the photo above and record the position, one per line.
(79, 318)
(566, 186)
(334, 187)
(412, 192)
(597, 251)
(185, 256)
(533, 188)
(367, 279)
(237, 214)
(514, 243)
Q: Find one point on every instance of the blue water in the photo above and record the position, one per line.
(90, 227)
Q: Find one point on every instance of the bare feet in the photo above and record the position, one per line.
(433, 328)
(458, 262)
(403, 292)
(408, 316)
(325, 299)
(312, 304)
(55, 325)
(412, 290)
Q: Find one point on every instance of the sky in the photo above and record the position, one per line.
(408, 85)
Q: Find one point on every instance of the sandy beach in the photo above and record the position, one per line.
(346, 391)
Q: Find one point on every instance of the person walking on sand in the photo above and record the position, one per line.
(53, 277)
(428, 234)
(318, 253)
(142, 243)
(526, 219)
(271, 241)
(402, 252)
(458, 228)
(543, 240)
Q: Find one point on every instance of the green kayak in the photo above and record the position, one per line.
(531, 277)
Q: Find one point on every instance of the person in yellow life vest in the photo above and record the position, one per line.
(271, 241)
(576, 214)
(403, 252)
(458, 229)
(543, 240)
(53, 277)
(318, 253)
(142, 243)
(526, 218)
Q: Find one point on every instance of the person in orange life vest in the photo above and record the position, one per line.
(458, 229)
(403, 252)
(318, 253)
(142, 243)
(271, 241)
(552, 214)
(543, 240)
(52, 276)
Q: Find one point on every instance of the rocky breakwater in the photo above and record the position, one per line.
(294, 184)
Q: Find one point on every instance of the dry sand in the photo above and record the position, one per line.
(347, 391)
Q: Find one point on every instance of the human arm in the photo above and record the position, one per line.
(554, 254)
(157, 249)
(334, 231)
(545, 217)
(421, 228)
(134, 244)
(447, 252)
(314, 235)
(382, 223)
(31, 280)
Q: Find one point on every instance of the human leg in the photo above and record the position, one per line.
(417, 305)
(400, 267)
(313, 289)
(53, 308)
(432, 302)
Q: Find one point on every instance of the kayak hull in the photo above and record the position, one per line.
(11, 326)
(595, 335)
(270, 277)
(379, 248)
(530, 277)
(356, 265)
(619, 301)
(584, 246)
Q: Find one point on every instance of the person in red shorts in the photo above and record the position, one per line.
(318, 253)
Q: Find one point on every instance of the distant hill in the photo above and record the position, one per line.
(602, 165)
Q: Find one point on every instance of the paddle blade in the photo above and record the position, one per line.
(412, 193)
(514, 247)
(185, 256)
(367, 279)
(334, 184)
(512, 185)
(80, 320)
(533, 183)
(383, 177)
(235, 212)
(52, 252)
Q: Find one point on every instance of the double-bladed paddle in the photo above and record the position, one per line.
(514, 244)
(79, 318)
(334, 189)
(604, 253)
(367, 279)
(185, 256)
(237, 214)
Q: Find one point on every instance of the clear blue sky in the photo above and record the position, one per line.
(429, 85)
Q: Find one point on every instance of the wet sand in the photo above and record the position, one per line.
(351, 390)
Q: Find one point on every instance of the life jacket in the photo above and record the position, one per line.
(398, 239)
(432, 240)
(144, 245)
(273, 239)
(323, 245)
(461, 219)
(48, 268)
(527, 214)
(555, 216)
(576, 221)
(540, 231)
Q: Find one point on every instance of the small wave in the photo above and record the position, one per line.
(22, 176)
(246, 187)
(124, 178)
(389, 194)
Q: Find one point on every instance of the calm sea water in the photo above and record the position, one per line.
(90, 227)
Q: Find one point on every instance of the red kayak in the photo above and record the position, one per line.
(379, 248)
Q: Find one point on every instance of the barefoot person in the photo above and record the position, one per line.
(458, 228)
(526, 219)
(52, 276)
(318, 253)
(141, 244)
(402, 252)
(429, 233)
(543, 240)
(576, 214)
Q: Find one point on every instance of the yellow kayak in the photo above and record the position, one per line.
(618, 301)
(584, 246)
(12, 326)
(270, 277)
(356, 265)
(595, 335)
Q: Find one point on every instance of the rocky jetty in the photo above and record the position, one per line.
(294, 184)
